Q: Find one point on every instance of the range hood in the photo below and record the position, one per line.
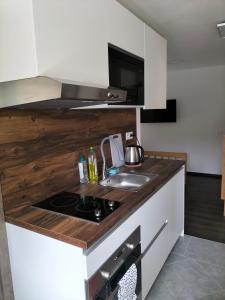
(46, 93)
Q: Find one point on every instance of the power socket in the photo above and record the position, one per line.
(129, 135)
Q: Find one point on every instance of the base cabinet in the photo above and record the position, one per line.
(153, 261)
(45, 268)
(171, 207)
(176, 209)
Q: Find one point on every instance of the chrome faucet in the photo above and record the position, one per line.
(104, 167)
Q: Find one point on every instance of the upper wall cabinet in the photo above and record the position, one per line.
(71, 40)
(125, 30)
(60, 39)
(17, 51)
(155, 69)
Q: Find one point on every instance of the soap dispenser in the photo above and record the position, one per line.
(82, 165)
(92, 166)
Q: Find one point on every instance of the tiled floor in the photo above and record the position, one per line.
(195, 270)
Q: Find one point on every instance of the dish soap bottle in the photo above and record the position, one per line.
(92, 166)
(82, 165)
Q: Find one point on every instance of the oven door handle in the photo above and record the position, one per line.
(109, 273)
(114, 292)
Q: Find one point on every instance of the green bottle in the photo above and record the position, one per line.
(92, 166)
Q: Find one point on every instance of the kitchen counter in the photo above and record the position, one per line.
(85, 234)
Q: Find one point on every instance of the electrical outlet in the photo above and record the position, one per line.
(129, 135)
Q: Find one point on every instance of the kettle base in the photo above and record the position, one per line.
(133, 165)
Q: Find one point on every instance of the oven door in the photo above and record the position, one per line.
(105, 283)
(111, 288)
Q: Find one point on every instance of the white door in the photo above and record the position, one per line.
(17, 51)
(125, 30)
(155, 69)
(176, 201)
(71, 40)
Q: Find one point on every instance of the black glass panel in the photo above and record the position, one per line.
(126, 71)
(81, 206)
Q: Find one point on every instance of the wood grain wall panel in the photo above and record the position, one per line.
(39, 150)
(6, 288)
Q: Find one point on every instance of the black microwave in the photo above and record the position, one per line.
(126, 72)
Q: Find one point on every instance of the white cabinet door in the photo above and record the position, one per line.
(176, 203)
(17, 51)
(155, 69)
(71, 40)
(125, 30)
(150, 216)
(168, 206)
(153, 215)
(46, 269)
(153, 261)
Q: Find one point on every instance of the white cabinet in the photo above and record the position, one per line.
(65, 39)
(171, 196)
(153, 261)
(59, 39)
(166, 205)
(17, 51)
(176, 207)
(125, 30)
(50, 269)
(155, 69)
(71, 40)
(154, 214)
(44, 268)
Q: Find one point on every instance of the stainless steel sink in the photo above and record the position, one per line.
(128, 181)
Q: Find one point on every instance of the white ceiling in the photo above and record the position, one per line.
(188, 25)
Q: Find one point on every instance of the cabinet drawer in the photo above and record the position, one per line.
(153, 260)
(153, 215)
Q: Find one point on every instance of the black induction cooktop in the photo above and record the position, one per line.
(81, 206)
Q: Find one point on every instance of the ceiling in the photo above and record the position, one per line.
(188, 25)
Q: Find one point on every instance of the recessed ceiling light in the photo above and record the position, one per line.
(221, 29)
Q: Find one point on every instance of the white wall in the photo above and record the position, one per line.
(200, 125)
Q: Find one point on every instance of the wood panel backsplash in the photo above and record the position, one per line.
(39, 150)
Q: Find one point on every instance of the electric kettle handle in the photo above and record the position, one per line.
(142, 156)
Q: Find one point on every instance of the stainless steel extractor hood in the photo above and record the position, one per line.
(43, 92)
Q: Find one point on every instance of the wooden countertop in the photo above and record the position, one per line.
(85, 234)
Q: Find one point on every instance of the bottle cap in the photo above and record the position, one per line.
(81, 158)
(91, 149)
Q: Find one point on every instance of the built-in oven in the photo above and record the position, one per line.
(107, 282)
(126, 72)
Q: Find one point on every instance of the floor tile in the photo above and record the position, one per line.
(217, 296)
(206, 251)
(187, 281)
(159, 291)
(191, 272)
(215, 272)
(174, 258)
(181, 245)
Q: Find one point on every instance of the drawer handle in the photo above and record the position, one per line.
(155, 238)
